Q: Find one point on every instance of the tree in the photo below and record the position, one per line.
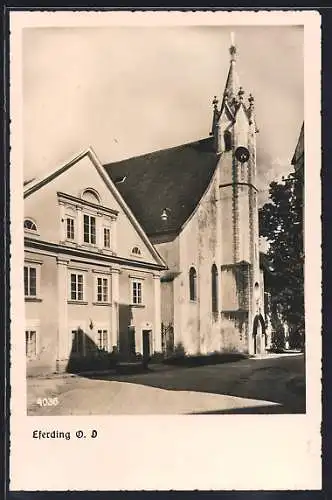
(281, 223)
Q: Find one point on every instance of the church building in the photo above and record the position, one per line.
(198, 205)
(156, 253)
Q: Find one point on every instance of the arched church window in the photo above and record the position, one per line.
(30, 225)
(91, 195)
(214, 290)
(228, 140)
(193, 284)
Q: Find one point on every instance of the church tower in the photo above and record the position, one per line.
(234, 132)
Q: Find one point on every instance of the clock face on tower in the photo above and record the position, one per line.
(242, 154)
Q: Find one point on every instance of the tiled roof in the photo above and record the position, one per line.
(174, 179)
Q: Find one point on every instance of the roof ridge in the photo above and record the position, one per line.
(158, 151)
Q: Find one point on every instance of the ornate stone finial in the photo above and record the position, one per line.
(251, 100)
(232, 49)
(226, 95)
(240, 94)
(215, 102)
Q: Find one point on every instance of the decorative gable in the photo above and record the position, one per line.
(78, 206)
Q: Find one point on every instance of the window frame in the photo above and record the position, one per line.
(37, 267)
(105, 230)
(29, 229)
(77, 353)
(135, 295)
(136, 251)
(32, 326)
(73, 220)
(100, 345)
(76, 272)
(214, 289)
(90, 217)
(29, 331)
(103, 278)
(193, 288)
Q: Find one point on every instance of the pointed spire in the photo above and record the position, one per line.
(232, 82)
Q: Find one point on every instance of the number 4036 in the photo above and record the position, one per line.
(47, 401)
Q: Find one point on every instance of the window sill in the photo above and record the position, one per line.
(32, 299)
(138, 305)
(195, 301)
(96, 303)
(77, 302)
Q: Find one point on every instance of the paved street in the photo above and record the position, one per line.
(269, 385)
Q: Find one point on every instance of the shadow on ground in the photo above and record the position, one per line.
(278, 380)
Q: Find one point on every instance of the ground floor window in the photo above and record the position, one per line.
(77, 342)
(102, 339)
(31, 343)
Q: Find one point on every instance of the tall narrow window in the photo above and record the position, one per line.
(214, 291)
(30, 281)
(137, 292)
(193, 284)
(77, 342)
(102, 289)
(30, 343)
(76, 286)
(228, 140)
(102, 340)
(89, 229)
(70, 228)
(107, 237)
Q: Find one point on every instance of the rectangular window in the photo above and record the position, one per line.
(102, 340)
(77, 342)
(76, 286)
(137, 292)
(89, 229)
(107, 237)
(102, 289)
(31, 343)
(70, 228)
(30, 281)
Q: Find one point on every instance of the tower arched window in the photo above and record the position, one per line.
(214, 288)
(228, 140)
(193, 284)
(30, 225)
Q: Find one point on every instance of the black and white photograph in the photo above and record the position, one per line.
(163, 221)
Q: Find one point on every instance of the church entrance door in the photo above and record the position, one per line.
(259, 334)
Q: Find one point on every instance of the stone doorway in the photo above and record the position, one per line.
(259, 334)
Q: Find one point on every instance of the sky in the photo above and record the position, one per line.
(127, 91)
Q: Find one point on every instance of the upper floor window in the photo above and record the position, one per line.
(228, 140)
(30, 225)
(137, 292)
(136, 251)
(30, 281)
(91, 195)
(76, 287)
(193, 284)
(70, 228)
(214, 291)
(102, 289)
(107, 237)
(89, 228)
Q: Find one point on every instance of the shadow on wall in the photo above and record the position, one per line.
(85, 355)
